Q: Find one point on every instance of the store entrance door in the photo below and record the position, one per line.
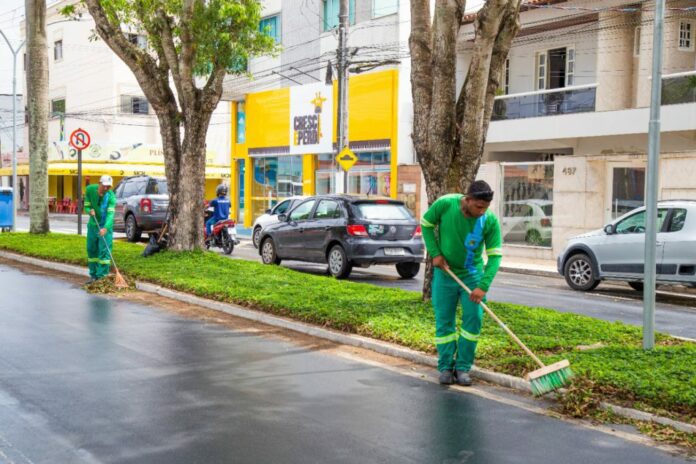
(625, 189)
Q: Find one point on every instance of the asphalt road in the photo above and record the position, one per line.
(675, 313)
(88, 379)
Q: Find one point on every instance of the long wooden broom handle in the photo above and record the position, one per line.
(497, 319)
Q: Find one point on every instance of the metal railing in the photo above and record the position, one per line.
(567, 100)
(679, 88)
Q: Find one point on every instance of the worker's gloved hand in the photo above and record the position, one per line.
(91, 212)
(441, 262)
(477, 295)
(102, 232)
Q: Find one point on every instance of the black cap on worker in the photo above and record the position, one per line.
(480, 190)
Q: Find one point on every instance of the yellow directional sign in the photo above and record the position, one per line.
(346, 158)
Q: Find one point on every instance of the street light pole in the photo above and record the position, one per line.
(15, 52)
(653, 171)
(342, 139)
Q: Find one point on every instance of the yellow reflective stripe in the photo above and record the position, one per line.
(426, 223)
(92, 260)
(87, 203)
(446, 339)
(110, 210)
(494, 252)
(469, 336)
(104, 261)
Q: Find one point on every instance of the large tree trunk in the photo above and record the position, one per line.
(37, 110)
(449, 132)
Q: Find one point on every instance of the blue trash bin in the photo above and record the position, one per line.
(6, 199)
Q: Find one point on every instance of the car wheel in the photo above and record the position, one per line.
(227, 243)
(133, 232)
(637, 286)
(268, 252)
(534, 237)
(256, 236)
(408, 270)
(339, 266)
(579, 274)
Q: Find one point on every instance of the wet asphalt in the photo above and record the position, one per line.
(90, 379)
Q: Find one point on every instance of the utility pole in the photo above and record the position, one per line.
(342, 55)
(653, 178)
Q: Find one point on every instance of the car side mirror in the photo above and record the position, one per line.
(609, 229)
(268, 211)
(282, 217)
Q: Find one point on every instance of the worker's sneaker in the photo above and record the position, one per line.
(90, 281)
(446, 377)
(463, 378)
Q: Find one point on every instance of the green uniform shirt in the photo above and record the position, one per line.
(94, 202)
(453, 228)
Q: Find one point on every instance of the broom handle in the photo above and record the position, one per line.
(107, 245)
(497, 319)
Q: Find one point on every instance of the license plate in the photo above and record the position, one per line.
(232, 231)
(394, 251)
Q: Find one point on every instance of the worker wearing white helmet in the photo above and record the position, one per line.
(100, 204)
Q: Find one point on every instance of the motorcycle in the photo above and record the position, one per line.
(224, 234)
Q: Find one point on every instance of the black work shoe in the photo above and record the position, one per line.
(464, 379)
(446, 377)
(90, 281)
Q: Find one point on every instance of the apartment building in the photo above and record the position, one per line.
(92, 89)
(567, 147)
(269, 162)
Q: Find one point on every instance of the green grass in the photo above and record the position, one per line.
(662, 379)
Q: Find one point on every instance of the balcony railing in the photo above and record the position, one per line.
(568, 100)
(679, 88)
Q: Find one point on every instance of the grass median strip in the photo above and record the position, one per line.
(608, 354)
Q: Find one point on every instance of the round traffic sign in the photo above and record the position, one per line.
(80, 139)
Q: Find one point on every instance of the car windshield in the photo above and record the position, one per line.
(547, 209)
(383, 211)
(157, 187)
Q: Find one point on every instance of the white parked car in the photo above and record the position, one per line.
(271, 217)
(617, 252)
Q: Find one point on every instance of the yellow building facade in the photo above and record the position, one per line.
(264, 171)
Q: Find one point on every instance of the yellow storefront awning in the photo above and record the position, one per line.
(112, 169)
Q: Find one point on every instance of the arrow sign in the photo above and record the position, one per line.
(80, 139)
(346, 158)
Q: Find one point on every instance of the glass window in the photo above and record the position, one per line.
(326, 174)
(271, 27)
(57, 50)
(157, 187)
(635, 224)
(527, 204)
(686, 36)
(328, 209)
(134, 105)
(384, 7)
(678, 219)
(371, 174)
(274, 179)
(636, 41)
(241, 123)
(281, 208)
(628, 190)
(301, 213)
(129, 189)
(383, 211)
(57, 107)
(331, 10)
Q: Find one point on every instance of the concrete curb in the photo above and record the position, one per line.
(340, 337)
(532, 272)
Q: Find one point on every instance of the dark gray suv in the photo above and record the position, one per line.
(141, 205)
(345, 231)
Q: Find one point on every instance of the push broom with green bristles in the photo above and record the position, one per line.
(543, 380)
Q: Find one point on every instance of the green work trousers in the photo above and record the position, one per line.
(97, 252)
(456, 349)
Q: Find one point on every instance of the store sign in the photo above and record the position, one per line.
(115, 153)
(311, 119)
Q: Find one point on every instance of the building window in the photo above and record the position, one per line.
(636, 41)
(555, 68)
(331, 10)
(58, 50)
(570, 67)
(275, 178)
(137, 39)
(506, 78)
(384, 7)
(271, 27)
(57, 107)
(541, 71)
(134, 105)
(240, 64)
(527, 208)
(241, 123)
(686, 36)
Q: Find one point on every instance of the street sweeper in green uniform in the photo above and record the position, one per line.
(100, 204)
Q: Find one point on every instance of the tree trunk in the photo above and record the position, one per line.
(37, 111)
(449, 133)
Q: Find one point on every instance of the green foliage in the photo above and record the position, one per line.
(223, 33)
(616, 366)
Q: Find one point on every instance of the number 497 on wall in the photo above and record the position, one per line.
(569, 171)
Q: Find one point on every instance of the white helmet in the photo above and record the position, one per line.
(106, 180)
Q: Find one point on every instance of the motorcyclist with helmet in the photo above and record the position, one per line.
(221, 209)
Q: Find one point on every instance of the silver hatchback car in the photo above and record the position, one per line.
(617, 251)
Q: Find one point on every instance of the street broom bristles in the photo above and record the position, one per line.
(549, 378)
(119, 281)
